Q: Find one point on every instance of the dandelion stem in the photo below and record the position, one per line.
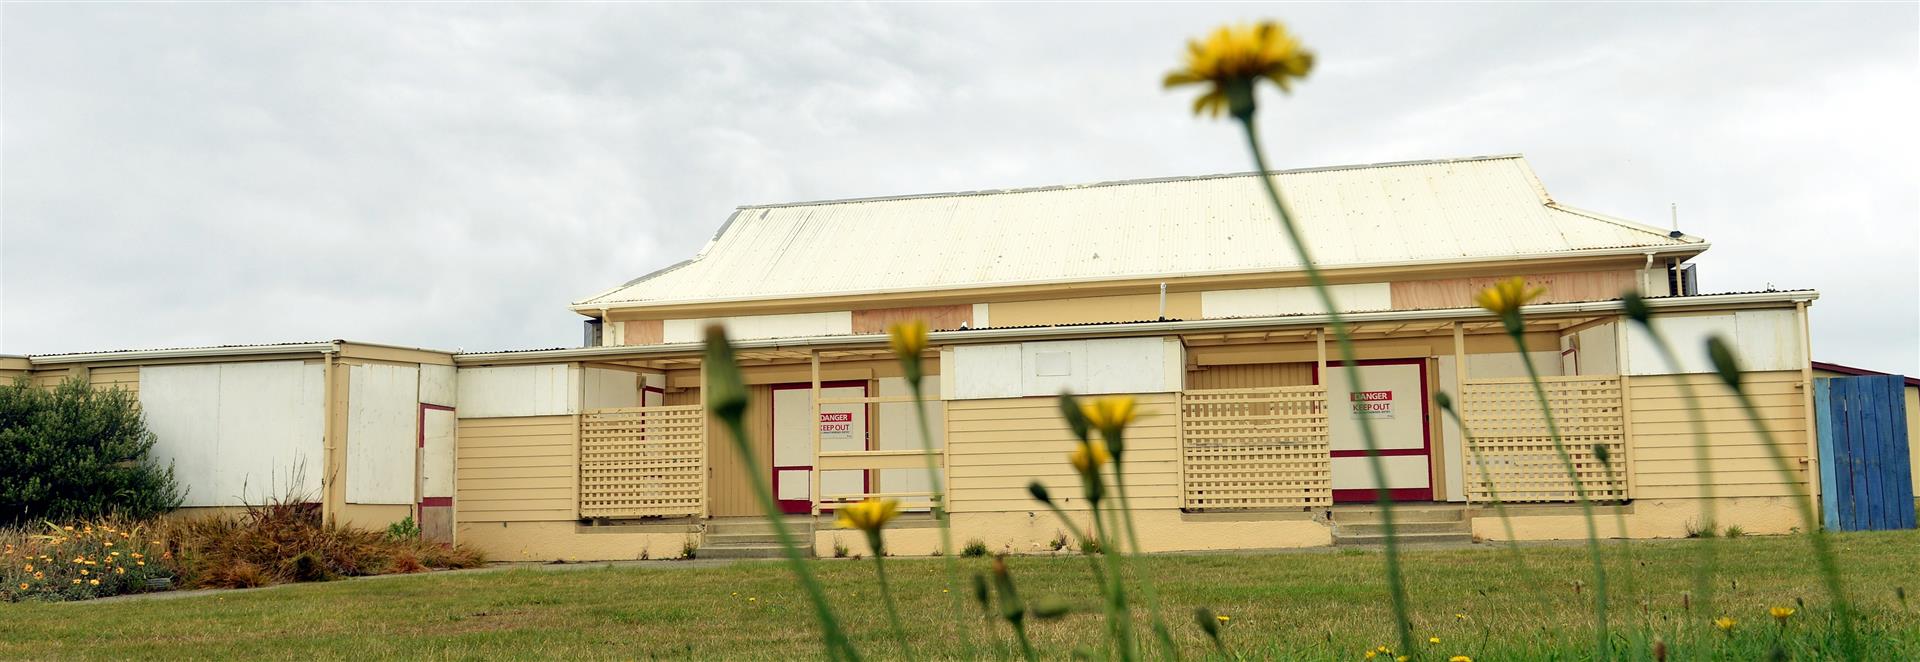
(1026, 645)
(1119, 618)
(1703, 572)
(1160, 629)
(940, 514)
(838, 646)
(886, 595)
(1603, 644)
(1822, 548)
(1396, 583)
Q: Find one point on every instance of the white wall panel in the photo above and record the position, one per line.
(1765, 340)
(1260, 302)
(238, 432)
(899, 429)
(437, 385)
(1089, 367)
(1599, 350)
(1403, 471)
(611, 388)
(981, 320)
(436, 454)
(985, 371)
(1451, 448)
(521, 390)
(795, 325)
(383, 408)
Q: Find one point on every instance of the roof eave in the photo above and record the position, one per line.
(591, 308)
(1152, 328)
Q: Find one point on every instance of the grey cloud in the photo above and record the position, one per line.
(452, 175)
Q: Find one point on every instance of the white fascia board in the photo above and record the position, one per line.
(190, 353)
(589, 308)
(1546, 310)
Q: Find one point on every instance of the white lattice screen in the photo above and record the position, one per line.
(643, 462)
(1516, 452)
(1256, 448)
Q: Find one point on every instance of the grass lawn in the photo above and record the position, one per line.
(1310, 605)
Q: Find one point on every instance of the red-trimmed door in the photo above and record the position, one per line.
(1394, 399)
(843, 427)
(435, 462)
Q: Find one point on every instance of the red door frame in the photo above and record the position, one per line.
(789, 506)
(1426, 439)
(420, 434)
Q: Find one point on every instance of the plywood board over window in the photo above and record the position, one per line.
(382, 412)
(937, 317)
(1561, 287)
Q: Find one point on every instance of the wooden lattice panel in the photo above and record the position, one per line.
(1511, 437)
(643, 461)
(1256, 448)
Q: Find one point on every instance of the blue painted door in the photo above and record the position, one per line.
(1865, 479)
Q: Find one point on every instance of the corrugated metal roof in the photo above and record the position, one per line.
(1394, 213)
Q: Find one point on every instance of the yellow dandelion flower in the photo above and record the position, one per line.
(1725, 624)
(39, 575)
(1110, 414)
(76, 581)
(139, 562)
(1506, 297)
(1402, 658)
(84, 572)
(119, 571)
(108, 543)
(1460, 616)
(94, 582)
(1233, 58)
(907, 339)
(1089, 456)
(1224, 618)
(29, 568)
(23, 586)
(1459, 658)
(69, 528)
(1433, 640)
(1369, 655)
(868, 515)
(1781, 613)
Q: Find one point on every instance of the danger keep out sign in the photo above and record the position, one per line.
(836, 425)
(1369, 404)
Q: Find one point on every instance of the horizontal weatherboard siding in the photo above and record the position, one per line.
(998, 446)
(1663, 442)
(518, 469)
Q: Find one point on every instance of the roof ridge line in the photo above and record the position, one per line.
(1684, 238)
(1131, 182)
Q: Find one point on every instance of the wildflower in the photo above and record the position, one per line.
(1781, 614)
(907, 339)
(1433, 640)
(119, 571)
(1089, 456)
(868, 515)
(752, 599)
(1460, 616)
(1369, 655)
(69, 527)
(29, 568)
(94, 582)
(1725, 624)
(1459, 658)
(39, 575)
(1224, 618)
(85, 572)
(1506, 297)
(1233, 58)
(139, 562)
(76, 581)
(23, 586)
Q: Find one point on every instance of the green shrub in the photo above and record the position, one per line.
(404, 529)
(76, 454)
(975, 547)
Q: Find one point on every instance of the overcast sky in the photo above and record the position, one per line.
(452, 176)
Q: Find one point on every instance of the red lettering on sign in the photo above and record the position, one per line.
(836, 417)
(1373, 396)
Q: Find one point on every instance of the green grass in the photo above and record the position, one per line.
(1312, 605)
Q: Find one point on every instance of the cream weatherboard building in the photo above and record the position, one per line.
(1181, 292)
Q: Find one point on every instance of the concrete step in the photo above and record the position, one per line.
(1410, 514)
(748, 539)
(739, 552)
(1407, 539)
(1404, 528)
(755, 525)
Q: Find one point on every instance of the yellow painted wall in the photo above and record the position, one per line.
(1125, 308)
(1645, 518)
(518, 469)
(1661, 447)
(570, 541)
(997, 446)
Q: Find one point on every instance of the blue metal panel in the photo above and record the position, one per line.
(1862, 439)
